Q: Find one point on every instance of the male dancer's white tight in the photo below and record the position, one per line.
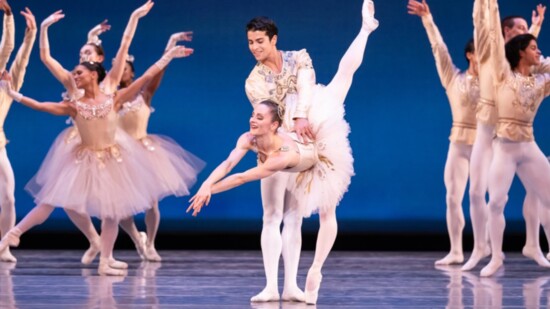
(456, 178)
(482, 155)
(7, 202)
(480, 162)
(337, 90)
(279, 206)
(533, 170)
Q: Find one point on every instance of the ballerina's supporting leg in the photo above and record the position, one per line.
(152, 222)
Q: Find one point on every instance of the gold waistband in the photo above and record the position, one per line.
(464, 125)
(486, 102)
(515, 121)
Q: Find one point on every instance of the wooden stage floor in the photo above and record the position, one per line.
(227, 279)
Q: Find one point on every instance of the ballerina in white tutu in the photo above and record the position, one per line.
(173, 165)
(321, 170)
(104, 175)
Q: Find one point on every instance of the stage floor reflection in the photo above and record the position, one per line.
(227, 279)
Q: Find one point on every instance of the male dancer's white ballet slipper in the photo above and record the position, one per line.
(11, 239)
(151, 254)
(369, 22)
(105, 269)
(89, 256)
(265, 296)
(313, 283)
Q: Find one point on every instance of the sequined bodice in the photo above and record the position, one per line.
(134, 117)
(96, 124)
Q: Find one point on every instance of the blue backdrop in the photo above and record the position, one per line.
(397, 108)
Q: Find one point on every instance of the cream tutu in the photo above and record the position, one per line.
(321, 187)
(174, 167)
(100, 171)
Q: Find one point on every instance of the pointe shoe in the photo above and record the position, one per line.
(89, 256)
(117, 264)
(151, 254)
(6, 256)
(11, 239)
(141, 245)
(369, 22)
(313, 283)
(105, 270)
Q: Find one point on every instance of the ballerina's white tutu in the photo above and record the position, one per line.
(321, 187)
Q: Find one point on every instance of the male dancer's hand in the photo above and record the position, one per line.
(4, 6)
(418, 8)
(303, 130)
(29, 18)
(538, 15)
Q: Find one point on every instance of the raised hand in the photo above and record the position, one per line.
(55, 17)
(179, 51)
(29, 18)
(4, 6)
(538, 15)
(103, 26)
(144, 9)
(418, 8)
(180, 36)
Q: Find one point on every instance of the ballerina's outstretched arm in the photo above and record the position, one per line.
(126, 94)
(112, 80)
(153, 85)
(59, 108)
(95, 32)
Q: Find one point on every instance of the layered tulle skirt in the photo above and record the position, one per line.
(322, 187)
(117, 181)
(175, 168)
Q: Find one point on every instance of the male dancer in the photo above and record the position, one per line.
(286, 77)
(482, 151)
(17, 71)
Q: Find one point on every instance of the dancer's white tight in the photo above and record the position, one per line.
(480, 162)
(279, 207)
(7, 200)
(337, 90)
(533, 170)
(456, 177)
(7, 190)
